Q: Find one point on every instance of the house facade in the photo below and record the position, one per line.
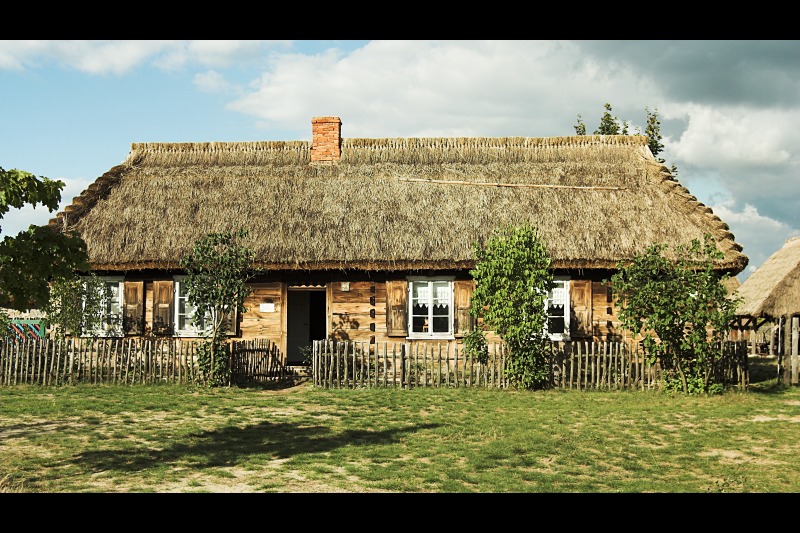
(373, 239)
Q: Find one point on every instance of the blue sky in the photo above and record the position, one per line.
(70, 110)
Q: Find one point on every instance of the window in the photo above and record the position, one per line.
(557, 308)
(111, 308)
(185, 313)
(431, 308)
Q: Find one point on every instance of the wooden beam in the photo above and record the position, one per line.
(530, 185)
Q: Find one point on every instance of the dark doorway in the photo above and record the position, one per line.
(306, 322)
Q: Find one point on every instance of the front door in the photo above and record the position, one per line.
(305, 322)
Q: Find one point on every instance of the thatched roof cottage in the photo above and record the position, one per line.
(771, 299)
(373, 238)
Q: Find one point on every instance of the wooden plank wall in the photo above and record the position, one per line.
(358, 314)
(255, 323)
(606, 325)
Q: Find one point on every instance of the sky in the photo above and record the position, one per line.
(729, 109)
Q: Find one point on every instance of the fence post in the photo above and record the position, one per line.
(403, 372)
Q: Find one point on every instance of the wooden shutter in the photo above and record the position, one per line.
(163, 293)
(462, 297)
(581, 302)
(397, 308)
(133, 302)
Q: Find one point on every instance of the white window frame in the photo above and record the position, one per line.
(567, 308)
(113, 309)
(429, 280)
(190, 330)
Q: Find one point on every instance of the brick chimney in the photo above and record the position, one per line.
(326, 142)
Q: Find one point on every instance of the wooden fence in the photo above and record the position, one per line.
(574, 365)
(336, 364)
(132, 361)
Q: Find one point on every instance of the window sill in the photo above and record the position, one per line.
(191, 334)
(444, 337)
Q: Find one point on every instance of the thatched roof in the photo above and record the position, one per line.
(732, 284)
(773, 290)
(391, 203)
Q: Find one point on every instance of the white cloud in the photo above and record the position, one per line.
(442, 88)
(212, 82)
(16, 54)
(120, 57)
(763, 234)
(103, 57)
(729, 137)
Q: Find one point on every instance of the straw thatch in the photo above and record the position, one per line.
(732, 284)
(773, 290)
(417, 203)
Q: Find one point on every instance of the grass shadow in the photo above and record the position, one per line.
(230, 445)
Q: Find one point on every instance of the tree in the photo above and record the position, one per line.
(580, 127)
(218, 268)
(681, 308)
(77, 305)
(609, 125)
(40, 254)
(512, 277)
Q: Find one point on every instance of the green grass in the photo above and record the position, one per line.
(92, 438)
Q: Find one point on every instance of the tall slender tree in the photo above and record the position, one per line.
(512, 278)
(218, 268)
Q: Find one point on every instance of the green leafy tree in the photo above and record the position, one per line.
(218, 268)
(77, 305)
(653, 132)
(580, 127)
(512, 277)
(40, 254)
(680, 306)
(609, 124)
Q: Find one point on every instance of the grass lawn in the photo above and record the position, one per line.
(163, 439)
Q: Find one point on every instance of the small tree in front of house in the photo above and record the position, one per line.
(217, 270)
(512, 278)
(77, 305)
(681, 308)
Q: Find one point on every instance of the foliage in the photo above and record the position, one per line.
(213, 357)
(653, 132)
(476, 346)
(610, 125)
(580, 127)
(77, 305)
(39, 254)
(680, 307)
(218, 268)
(5, 325)
(512, 274)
